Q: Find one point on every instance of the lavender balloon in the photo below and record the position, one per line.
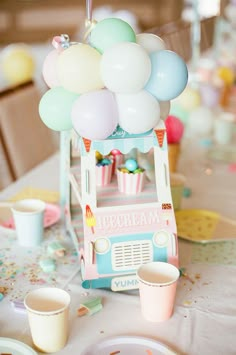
(95, 115)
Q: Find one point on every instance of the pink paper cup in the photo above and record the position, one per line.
(157, 290)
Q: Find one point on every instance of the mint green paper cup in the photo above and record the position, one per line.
(177, 182)
(28, 216)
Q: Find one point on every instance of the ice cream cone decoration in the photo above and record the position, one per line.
(174, 131)
(173, 155)
(90, 219)
(87, 144)
(225, 95)
(227, 76)
(160, 133)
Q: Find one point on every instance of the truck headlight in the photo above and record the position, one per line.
(102, 245)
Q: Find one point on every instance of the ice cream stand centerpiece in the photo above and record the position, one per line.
(105, 98)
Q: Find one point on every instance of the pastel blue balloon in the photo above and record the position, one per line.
(169, 75)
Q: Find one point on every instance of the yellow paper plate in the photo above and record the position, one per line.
(204, 226)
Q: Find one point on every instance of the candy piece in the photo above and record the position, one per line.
(232, 168)
(90, 306)
(18, 306)
(55, 248)
(105, 161)
(138, 171)
(1, 296)
(187, 192)
(98, 155)
(115, 152)
(47, 265)
(3, 289)
(124, 170)
(131, 164)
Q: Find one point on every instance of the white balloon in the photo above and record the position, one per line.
(125, 68)
(150, 42)
(164, 109)
(137, 113)
(200, 122)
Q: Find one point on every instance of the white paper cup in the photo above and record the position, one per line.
(28, 216)
(224, 128)
(48, 314)
(157, 290)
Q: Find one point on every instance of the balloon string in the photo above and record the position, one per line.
(89, 9)
(89, 26)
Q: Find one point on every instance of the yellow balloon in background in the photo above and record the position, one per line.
(226, 74)
(78, 69)
(17, 64)
(189, 99)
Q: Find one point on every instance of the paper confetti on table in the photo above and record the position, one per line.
(20, 268)
(220, 253)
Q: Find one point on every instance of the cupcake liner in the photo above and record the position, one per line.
(103, 175)
(131, 184)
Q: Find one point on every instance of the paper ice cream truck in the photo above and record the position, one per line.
(115, 232)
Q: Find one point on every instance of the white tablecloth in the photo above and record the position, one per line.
(204, 319)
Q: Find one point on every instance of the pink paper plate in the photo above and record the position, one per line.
(51, 216)
(124, 345)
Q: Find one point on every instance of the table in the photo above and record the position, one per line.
(204, 319)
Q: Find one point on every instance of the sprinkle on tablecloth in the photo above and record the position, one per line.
(20, 269)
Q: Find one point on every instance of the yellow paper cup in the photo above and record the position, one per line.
(157, 290)
(48, 314)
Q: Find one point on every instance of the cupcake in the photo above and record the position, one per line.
(103, 172)
(130, 177)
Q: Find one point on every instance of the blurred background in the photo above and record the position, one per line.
(31, 24)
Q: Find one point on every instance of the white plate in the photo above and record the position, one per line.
(127, 345)
(15, 347)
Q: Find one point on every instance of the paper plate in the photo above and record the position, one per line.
(204, 226)
(15, 347)
(51, 216)
(124, 345)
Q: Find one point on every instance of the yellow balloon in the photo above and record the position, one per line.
(226, 74)
(189, 99)
(17, 64)
(78, 69)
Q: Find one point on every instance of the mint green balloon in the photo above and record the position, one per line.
(111, 31)
(179, 112)
(55, 108)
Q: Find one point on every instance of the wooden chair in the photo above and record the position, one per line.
(24, 139)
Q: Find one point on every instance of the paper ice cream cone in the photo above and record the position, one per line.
(160, 133)
(87, 144)
(173, 155)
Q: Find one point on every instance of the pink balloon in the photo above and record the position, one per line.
(174, 129)
(50, 69)
(95, 115)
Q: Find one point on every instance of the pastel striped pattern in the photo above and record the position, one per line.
(130, 183)
(103, 175)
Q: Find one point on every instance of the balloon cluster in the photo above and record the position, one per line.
(117, 78)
